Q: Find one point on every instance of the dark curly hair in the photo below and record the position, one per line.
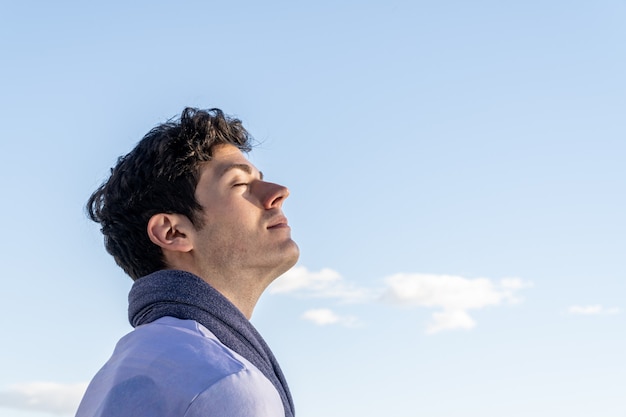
(159, 175)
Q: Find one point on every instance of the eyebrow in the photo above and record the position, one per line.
(243, 167)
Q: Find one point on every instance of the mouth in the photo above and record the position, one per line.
(278, 223)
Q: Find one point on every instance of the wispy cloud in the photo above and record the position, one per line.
(592, 310)
(51, 397)
(452, 295)
(450, 320)
(450, 292)
(326, 283)
(325, 317)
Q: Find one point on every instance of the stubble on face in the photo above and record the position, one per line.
(244, 231)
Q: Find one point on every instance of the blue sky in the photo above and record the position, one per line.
(457, 188)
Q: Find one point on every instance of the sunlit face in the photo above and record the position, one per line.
(244, 227)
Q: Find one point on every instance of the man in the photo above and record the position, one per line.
(202, 233)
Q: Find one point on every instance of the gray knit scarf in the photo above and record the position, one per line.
(185, 296)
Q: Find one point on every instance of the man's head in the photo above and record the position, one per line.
(153, 197)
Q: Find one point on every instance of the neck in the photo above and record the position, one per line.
(243, 290)
(245, 301)
(240, 284)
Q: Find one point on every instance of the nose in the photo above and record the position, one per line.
(273, 195)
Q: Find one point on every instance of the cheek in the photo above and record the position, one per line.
(230, 234)
(244, 214)
(232, 225)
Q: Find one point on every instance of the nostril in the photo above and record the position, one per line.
(277, 201)
(276, 195)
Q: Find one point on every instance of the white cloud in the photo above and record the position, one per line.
(450, 320)
(453, 294)
(325, 316)
(51, 397)
(323, 284)
(596, 309)
(449, 291)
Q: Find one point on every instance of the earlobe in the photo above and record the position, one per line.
(170, 232)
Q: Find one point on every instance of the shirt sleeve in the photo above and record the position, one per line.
(242, 394)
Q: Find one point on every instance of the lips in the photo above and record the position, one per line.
(278, 222)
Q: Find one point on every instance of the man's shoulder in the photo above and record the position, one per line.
(171, 345)
(161, 368)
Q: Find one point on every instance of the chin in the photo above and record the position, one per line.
(290, 258)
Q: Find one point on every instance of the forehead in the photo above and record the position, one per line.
(225, 158)
(225, 154)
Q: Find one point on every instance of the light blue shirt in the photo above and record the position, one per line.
(176, 368)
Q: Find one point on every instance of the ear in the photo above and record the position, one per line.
(171, 232)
